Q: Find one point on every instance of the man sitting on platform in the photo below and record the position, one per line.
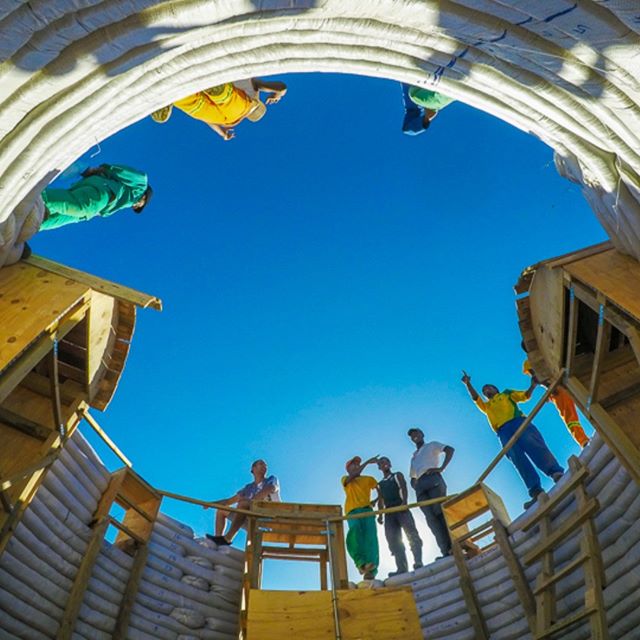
(262, 488)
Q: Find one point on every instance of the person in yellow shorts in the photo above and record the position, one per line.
(566, 407)
(226, 105)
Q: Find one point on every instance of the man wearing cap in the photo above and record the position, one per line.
(262, 488)
(226, 105)
(101, 192)
(421, 106)
(362, 537)
(505, 418)
(426, 478)
(393, 493)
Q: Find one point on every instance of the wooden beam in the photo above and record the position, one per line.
(466, 585)
(55, 389)
(98, 284)
(602, 347)
(81, 580)
(131, 590)
(7, 483)
(565, 571)
(564, 623)
(517, 574)
(119, 525)
(572, 332)
(108, 441)
(31, 428)
(566, 528)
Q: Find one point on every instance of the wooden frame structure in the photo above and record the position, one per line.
(66, 337)
(582, 312)
(472, 505)
(141, 504)
(589, 559)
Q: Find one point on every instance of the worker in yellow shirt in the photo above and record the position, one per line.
(226, 105)
(362, 538)
(501, 409)
(566, 407)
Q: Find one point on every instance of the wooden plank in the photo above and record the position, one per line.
(602, 347)
(81, 580)
(571, 333)
(380, 614)
(564, 623)
(466, 506)
(469, 593)
(31, 300)
(131, 590)
(7, 482)
(576, 563)
(108, 441)
(564, 530)
(520, 581)
(97, 284)
(615, 275)
(31, 428)
(56, 404)
(545, 599)
(559, 495)
(126, 530)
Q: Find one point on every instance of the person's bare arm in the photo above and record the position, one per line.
(275, 88)
(466, 379)
(358, 470)
(532, 386)
(404, 494)
(223, 132)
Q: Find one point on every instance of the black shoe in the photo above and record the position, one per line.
(534, 499)
(26, 252)
(417, 565)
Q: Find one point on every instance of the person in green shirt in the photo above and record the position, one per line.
(101, 192)
(421, 106)
(362, 538)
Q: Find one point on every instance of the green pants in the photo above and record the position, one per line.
(428, 99)
(362, 540)
(83, 201)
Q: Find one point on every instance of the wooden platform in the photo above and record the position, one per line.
(365, 614)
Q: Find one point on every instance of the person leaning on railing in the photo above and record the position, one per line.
(504, 416)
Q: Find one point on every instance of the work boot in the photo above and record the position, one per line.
(557, 476)
(534, 498)
(417, 565)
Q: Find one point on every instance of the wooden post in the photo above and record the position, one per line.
(82, 578)
(545, 599)
(602, 346)
(572, 331)
(129, 597)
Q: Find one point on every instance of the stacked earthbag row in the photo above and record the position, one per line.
(442, 609)
(194, 594)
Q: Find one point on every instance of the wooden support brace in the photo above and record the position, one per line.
(602, 346)
(517, 574)
(31, 428)
(469, 594)
(55, 390)
(82, 578)
(572, 332)
(129, 597)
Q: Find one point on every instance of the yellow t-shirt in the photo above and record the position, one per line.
(358, 492)
(502, 407)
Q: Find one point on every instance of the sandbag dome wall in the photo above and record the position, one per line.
(76, 71)
(189, 589)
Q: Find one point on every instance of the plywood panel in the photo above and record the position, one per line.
(365, 614)
(30, 301)
(615, 275)
(17, 451)
(547, 314)
(101, 337)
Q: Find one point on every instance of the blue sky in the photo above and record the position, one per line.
(325, 279)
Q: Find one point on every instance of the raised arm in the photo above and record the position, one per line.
(354, 473)
(466, 379)
(532, 386)
(275, 88)
(403, 487)
(226, 501)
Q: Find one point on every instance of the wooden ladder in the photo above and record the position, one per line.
(589, 558)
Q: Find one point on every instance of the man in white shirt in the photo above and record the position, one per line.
(262, 488)
(426, 478)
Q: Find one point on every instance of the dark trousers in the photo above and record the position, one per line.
(428, 487)
(394, 525)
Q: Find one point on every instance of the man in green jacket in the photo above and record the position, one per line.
(101, 192)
